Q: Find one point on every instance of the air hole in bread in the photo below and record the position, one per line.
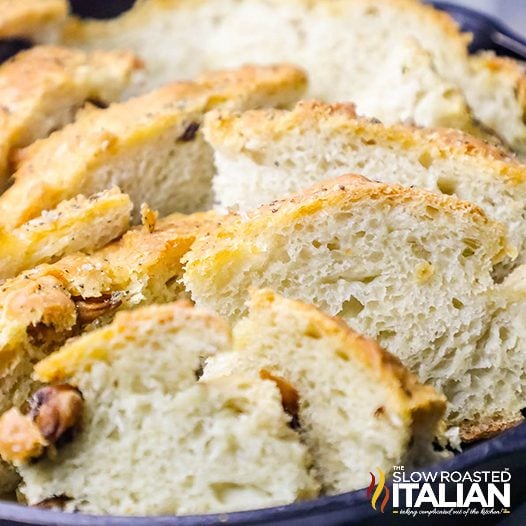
(385, 335)
(432, 211)
(352, 307)
(425, 159)
(457, 303)
(446, 186)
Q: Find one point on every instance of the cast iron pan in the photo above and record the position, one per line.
(506, 451)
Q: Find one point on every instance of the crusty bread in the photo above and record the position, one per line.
(411, 89)
(353, 50)
(358, 406)
(149, 146)
(498, 95)
(42, 307)
(79, 224)
(154, 440)
(37, 20)
(42, 88)
(263, 155)
(406, 267)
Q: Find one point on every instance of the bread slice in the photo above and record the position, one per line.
(150, 146)
(498, 95)
(37, 20)
(263, 155)
(42, 307)
(154, 439)
(358, 407)
(411, 89)
(80, 224)
(42, 88)
(409, 268)
(352, 50)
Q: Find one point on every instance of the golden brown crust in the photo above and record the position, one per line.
(509, 68)
(414, 400)
(78, 224)
(210, 252)
(20, 437)
(41, 308)
(79, 354)
(42, 88)
(232, 131)
(44, 178)
(488, 428)
(47, 297)
(24, 18)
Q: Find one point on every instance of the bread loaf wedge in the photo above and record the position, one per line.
(358, 408)
(352, 50)
(38, 20)
(150, 146)
(80, 224)
(42, 88)
(155, 440)
(498, 96)
(263, 155)
(409, 268)
(42, 307)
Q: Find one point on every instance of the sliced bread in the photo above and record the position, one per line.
(41, 308)
(358, 408)
(42, 88)
(149, 146)
(409, 268)
(37, 20)
(155, 440)
(352, 50)
(263, 155)
(80, 224)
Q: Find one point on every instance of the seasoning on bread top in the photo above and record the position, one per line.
(393, 58)
(149, 146)
(42, 307)
(262, 155)
(42, 88)
(80, 224)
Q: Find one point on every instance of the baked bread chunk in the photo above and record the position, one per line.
(42, 88)
(263, 155)
(406, 267)
(505, 111)
(80, 224)
(358, 408)
(363, 44)
(149, 146)
(37, 20)
(42, 307)
(172, 444)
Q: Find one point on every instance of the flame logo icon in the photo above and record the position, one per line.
(378, 491)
